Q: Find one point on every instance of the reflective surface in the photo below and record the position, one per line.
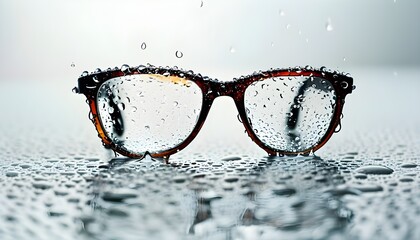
(56, 181)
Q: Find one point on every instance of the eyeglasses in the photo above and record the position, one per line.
(159, 111)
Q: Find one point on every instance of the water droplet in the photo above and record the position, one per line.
(175, 103)
(406, 179)
(179, 54)
(121, 106)
(409, 165)
(232, 158)
(85, 73)
(11, 174)
(281, 13)
(202, 3)
(272, 44)
(368, 188)
(143, 46)
(118, 196)
(72, 64)
(232, 50)
(344, 59)
(231, 179)
(288, 26)
(375, 169)
(75, 90)
(179, 179)
(42, 185)
(284, 191)
(125, 68)
(328, 25)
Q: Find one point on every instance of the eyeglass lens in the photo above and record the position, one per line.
(148, 112)
(291, 113)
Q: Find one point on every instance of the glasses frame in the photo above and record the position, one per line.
(89, 84)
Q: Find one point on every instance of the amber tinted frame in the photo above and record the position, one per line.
(89, 84)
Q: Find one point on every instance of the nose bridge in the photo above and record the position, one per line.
(223, 88)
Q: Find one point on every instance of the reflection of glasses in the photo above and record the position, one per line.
(160, 110)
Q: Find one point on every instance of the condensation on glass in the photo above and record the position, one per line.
(137, 111)
(290, 114)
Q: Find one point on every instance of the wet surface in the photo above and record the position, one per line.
(56, 181)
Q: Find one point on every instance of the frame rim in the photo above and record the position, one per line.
(88, 84)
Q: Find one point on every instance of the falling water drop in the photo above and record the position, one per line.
(143, 46)
(281, 12)
(179, 54)
(328, 25)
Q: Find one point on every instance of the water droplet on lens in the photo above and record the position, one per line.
(121, 106)
(179, 54)
(143, 46)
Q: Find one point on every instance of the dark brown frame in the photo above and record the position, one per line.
(88, 84)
